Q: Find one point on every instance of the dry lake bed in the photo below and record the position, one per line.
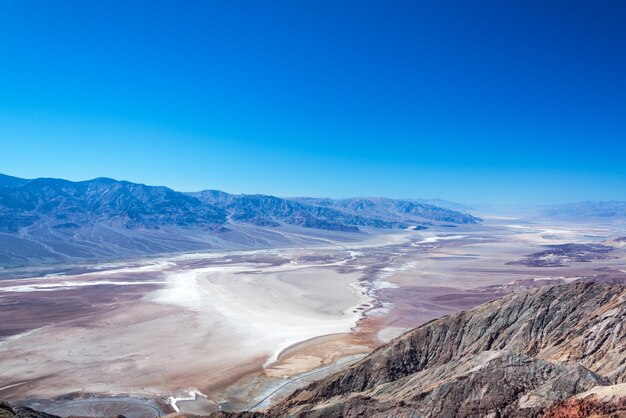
(198, 332)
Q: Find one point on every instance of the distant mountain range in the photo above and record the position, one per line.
(50, 220)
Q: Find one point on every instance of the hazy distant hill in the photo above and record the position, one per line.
(44, 219)
(447, 204)
(588, 209)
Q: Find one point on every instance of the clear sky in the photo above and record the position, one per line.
(474, 101)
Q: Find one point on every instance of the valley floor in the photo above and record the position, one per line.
(241, 329)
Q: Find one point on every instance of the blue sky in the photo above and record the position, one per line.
(482, 101)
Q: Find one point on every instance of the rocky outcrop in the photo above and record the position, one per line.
(600, 401)
(7, 411)
(516, 356)
(509, 384)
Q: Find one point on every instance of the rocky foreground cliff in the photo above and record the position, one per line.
(554, 352)
(530, 354)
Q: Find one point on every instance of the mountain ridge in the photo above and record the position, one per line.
(54, 220)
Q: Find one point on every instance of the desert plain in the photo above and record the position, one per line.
(199, 332)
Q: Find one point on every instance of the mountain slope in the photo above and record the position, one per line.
(53, 220)
(345, 214)
(393, 209)
(266, 210)
(516, 356)
(66, 204)
(10, 181)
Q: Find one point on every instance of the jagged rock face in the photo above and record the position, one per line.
(515, 356)
(580, 408)
(579, 322)
(600, 401)
(519, 385)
